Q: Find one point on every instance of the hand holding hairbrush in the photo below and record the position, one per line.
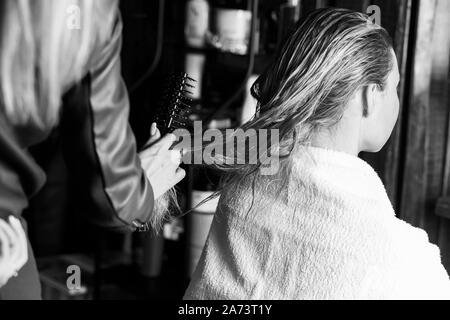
(160, 163)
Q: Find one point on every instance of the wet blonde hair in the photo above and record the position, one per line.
(41, 56)
(331, 55)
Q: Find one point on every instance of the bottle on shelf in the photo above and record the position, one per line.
(231, 26)
(197, 23)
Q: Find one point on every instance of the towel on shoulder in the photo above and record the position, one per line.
(327, 231)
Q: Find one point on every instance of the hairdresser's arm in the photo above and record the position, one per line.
(99, 145)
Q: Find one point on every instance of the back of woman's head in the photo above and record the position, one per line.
(331, 54)
(43, 52)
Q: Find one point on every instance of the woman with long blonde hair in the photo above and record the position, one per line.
(71, 48)
(322, 226)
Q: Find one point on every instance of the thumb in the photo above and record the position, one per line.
(155, 135)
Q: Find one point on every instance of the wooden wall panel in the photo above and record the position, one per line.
(393, 166)
(440, 106)
(428, 126)
(413, 206)
(438, 116)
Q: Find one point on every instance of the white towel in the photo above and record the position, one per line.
(329, 233)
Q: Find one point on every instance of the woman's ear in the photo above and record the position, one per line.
(369, 99)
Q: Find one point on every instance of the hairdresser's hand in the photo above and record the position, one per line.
(160, 164)
(13, 249)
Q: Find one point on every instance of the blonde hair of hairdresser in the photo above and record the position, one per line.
(41, 56)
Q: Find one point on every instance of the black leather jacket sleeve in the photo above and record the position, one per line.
(99, 145)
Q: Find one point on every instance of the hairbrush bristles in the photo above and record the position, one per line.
(175, 106)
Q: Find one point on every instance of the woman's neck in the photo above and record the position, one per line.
(343, 139)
